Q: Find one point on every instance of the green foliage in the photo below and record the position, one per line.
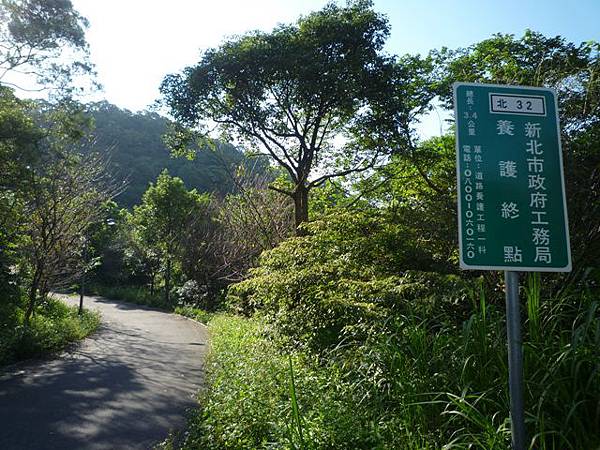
(19, 142)
(293, 92)
(133, 294)
(49, 194)
(161, 220)
(165, 212)
(65, 198)
(19, 139)
(197, 314)
(564, 368)
(297, 426)
(106, 245)
(226, 237)
(327, 198)
(337, 43)
(423, 354)
(345, 271)
(582, 179)
(425, 375)
(45, 197)
(247, 422)
(34, 34)
(53, 326)
(532, 60)
(250, 403)
(419, 190)
(46, 25)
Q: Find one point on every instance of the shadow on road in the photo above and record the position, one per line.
(127, 387)
(121, 304)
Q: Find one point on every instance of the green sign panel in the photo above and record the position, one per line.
(512, 211)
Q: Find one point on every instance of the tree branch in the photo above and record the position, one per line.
(281, 191)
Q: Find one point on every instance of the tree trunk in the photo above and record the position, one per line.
(32, 295)
(81, 293)
(44, 291)
(167, 280)
(300, 197)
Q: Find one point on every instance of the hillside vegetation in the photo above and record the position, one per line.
(134, 143)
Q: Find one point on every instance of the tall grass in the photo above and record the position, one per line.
(563, 376)
(295, 430)
(533, 290)
(413, 381)
(260, 397)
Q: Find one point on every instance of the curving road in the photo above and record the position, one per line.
(125, 387)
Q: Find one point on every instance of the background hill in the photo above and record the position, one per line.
(138, 153)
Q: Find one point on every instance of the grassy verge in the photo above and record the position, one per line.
(262, 397)
(196, 314)
(132, 294)
(53, 326)
(411, 384)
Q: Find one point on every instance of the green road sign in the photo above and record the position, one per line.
(512, 212)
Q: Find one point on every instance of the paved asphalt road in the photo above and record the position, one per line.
(125, 387)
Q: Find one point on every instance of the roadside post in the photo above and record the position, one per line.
(84, 260)
(512, 213)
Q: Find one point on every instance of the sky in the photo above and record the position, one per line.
(135, 43)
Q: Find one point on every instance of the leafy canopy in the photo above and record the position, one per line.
(307, 94)
(165, 212)
(532, 60)
(19, 139)
(34, 34)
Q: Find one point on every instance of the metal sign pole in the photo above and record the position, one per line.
(515, 360)
(512, 208)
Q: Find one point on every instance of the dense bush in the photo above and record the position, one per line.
(351, 268)
(199, 315)
(391, 358)
(192, 293)
(53, 326)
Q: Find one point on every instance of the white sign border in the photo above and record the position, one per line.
(462, 264)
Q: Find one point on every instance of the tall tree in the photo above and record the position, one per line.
(305, 94)
(35, 35)
(18, 149)
(63, 200)
(162, 218)
(19, 139)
